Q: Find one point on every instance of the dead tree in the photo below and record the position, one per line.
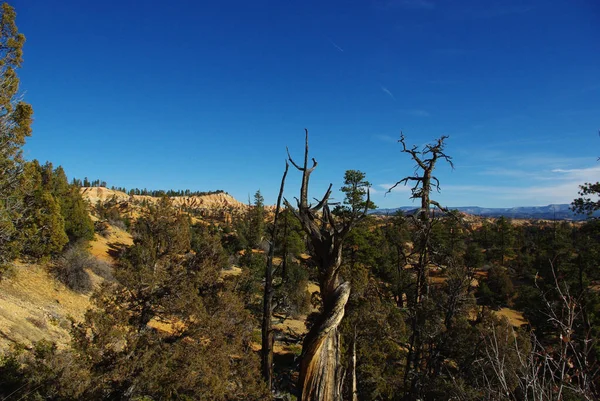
(426, 160)
(266, 328)
(320, 368)
(555, 370)
(424, 182)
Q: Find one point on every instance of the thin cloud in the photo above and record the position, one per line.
(490, 154)
(511, 173)
(386, 138)
(417, 112)
(386, 90)
(533, 195)
(563, 188)
(580, 175)
(399, 188)
(576, 175)
(336, 45)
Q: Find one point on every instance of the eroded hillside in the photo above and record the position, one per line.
(220, 206)
(35, 306)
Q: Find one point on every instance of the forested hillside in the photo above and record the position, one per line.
(115, 294)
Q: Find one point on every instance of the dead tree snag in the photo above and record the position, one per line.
(320, 369)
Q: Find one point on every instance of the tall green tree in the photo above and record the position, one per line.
(256, 228)
(504, 241)
(42, 229)
(78, 224)
(355, 190)
(15, 127)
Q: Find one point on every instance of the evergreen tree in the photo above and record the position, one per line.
(504, 241)
(256, 227)
(496, 289)
(170, 329)
(78, 224)
(588, 202)
(355, 190)
(15, 127)
(42, 230)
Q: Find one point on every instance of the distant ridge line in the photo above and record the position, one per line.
(549, 212)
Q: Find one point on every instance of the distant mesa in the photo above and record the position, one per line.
(550, 212)
(224, 202)
(102, 194)
(220, 205)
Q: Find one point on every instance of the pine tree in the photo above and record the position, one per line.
(78, 224)
(169, 328)
(257, 221)
(15, 126)
(42, 229)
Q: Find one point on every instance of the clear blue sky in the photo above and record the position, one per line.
(207, 95)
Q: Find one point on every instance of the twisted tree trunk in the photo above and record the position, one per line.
(320, 370)
(320, 376)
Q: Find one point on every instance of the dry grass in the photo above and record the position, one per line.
(34, 306)
(231, 271)
(101, 247)
(514, 317)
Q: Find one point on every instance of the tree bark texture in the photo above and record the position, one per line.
(320, 369)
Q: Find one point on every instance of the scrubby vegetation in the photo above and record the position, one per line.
(403, 307)
(73, 268)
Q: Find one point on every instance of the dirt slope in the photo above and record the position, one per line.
(35, 306)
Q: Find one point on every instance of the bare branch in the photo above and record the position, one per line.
(323, 201)
(292, 160)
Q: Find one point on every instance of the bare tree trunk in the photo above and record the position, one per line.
(266, 352)
(425, 160)
(320, 370)
(354, 383)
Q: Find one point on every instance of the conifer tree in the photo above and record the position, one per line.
(169, 328)
(42, 229)
(257, 220)
(78, 224)
(15, 127)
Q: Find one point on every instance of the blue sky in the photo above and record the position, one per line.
(207, 95)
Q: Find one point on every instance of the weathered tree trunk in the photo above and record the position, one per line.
(320, 378)
(320, 369)
(354, 381)
(423, 184)
(266, 352)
